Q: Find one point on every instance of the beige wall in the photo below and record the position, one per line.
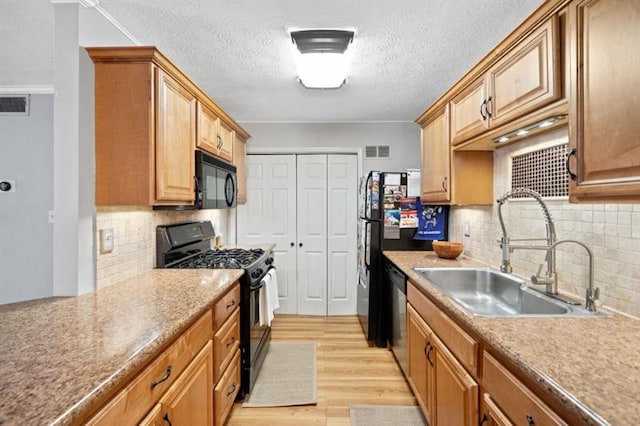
(612, 231)
(135, 239)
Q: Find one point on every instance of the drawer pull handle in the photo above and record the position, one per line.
(231, 342)
(489, 107)
(162, 379)
(167, 419)
(428, 357)
(444, 184)
(572, 175)
(484, 419)
(231, 304)
(482, 109)
(233, 389)
(530, 420)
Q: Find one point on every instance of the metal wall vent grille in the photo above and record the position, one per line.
(379, 151)
(543, 170)
(14, 104)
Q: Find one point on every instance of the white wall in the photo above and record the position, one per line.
(26, 236)
(612, 231)
(402, 138)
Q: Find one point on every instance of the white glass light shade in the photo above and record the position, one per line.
(324, 70)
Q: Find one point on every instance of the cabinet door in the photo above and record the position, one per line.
(456, 396)
(528, 77)
(207, 138)
(468, 113)
(225, 142)
(190, 400)
(436, 154)
(604, 100)
(175, 142)
(420, 372)
(155, 417)
(240, 161)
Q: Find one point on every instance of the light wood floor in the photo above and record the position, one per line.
(349, 372)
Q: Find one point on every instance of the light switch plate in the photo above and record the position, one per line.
(106, 240)
(467, 229)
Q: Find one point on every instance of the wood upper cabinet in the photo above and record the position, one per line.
(175, 137)
(452, 177)
(240, 161)
(605, 90)
(436, 158)
(149, 118)
(526, 78)
(214, 136)
(225, 140)
(468, 115)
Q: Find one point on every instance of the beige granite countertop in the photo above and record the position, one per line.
(589, 365)
(60, 357)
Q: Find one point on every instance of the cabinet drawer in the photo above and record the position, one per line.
(226, 390)
(225, 306)
(226, 342)
(517, 402)
(463, 346)
(134, 401)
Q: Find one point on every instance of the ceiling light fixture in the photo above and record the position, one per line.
(547, 122)
(322, 58)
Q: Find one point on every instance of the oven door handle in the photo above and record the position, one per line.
(259, 284)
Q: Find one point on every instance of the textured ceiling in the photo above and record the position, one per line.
(406, 52)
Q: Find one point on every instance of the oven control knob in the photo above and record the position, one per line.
(269, 260)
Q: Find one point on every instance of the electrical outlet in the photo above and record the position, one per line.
(467, 229)
(106, 240)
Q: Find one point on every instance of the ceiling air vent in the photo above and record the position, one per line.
(14, 104)
(379, 151)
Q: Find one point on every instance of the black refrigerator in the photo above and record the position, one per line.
(388, 220)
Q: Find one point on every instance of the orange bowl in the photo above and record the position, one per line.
(447, 249)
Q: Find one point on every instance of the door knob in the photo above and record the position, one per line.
(293, 244)
(300, 244)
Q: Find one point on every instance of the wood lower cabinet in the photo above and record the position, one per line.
(605, 91)
(509, 400)
(446, 392)
(491, 413)
(240, 161)
(189, 400)
(420, 375)
(192, 382)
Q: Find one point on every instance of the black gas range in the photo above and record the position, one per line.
(188, 246)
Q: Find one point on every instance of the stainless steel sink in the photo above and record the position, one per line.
(485, 292)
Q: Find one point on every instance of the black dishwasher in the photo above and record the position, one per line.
(397, 284)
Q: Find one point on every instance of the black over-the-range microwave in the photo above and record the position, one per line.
(215, 183)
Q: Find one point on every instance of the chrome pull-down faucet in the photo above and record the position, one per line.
(550, 278)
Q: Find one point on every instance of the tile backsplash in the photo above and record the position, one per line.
(611, 231)
(134, 237)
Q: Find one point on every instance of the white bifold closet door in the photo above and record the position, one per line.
(316, 237)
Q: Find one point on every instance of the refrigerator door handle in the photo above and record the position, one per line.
(366, 244)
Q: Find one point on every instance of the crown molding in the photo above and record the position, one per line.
(39, 89)
(95, 4)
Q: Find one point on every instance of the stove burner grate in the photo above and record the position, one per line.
(224, 259)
